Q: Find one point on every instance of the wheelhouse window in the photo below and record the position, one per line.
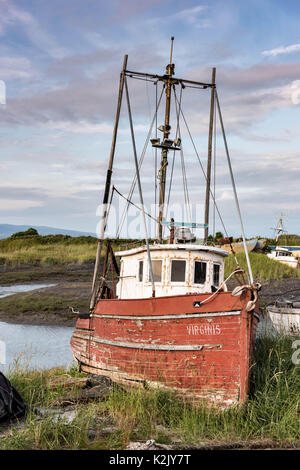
(199, 272)
(178, 270)
(156, 268)
(141, 270)
(216, 275)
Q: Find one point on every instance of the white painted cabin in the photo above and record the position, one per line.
(284, 256)
(178, 269)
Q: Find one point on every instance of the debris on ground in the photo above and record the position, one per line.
(66, 381)
(148, 445)
(95, 388)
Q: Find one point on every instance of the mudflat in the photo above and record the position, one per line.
(55, 305)
(52, 305)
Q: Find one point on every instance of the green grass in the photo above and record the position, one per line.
(48, 254)
(53, 250)
(263, 268)
(289, 240)
(59, 250)
(271, 412)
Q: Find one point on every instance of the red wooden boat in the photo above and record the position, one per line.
(168, 320)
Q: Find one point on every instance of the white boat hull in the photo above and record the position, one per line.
(285, 320)
(283, 255)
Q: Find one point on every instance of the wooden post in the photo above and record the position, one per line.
(209, 153)
(107, 184)
(172, 231)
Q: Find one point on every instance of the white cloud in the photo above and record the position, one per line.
(58, 165)
(225, 196)
(189, 14)
(81, 127)
(282, 50)
(15, 204)
(10, 16)
(16, 68)
(84, 127)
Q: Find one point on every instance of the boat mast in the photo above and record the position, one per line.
(164, 154)
(279, 229)
(209, 153)
(108, 184)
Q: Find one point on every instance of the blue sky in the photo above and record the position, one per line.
(61, 61)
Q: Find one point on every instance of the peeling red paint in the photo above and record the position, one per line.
(148, 340)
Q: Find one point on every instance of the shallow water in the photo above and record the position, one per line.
(33, 345)
(10, 290)
(36, 346)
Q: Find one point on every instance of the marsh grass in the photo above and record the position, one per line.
(263, 268)
(58, 250)
(271, 412)
(49, 255)
(53, 250)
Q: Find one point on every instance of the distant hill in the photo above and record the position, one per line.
(6, 230)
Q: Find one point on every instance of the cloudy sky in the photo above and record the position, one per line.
(60, 62)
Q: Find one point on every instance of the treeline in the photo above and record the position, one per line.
(32, 238)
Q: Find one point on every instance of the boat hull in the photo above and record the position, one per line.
(239, 246)
(202, 351)
(285, 320)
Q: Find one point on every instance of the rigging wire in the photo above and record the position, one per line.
(211, 193)
(234, 189)
(135, 205)
(109, 206)
(184, 178)
(203, 171)
(171, 176)
(178, 134)
(140, 164)
(143, 79)
(171, 180)
(139, 188)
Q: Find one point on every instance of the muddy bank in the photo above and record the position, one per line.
(47, 306)
(279, 288)
(10, 275)
(274, 288)
(51, 305)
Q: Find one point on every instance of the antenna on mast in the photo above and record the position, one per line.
(172, 41)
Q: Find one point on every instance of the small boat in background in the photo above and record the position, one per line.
(285, 256)
(254, 244)
(285, 315)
